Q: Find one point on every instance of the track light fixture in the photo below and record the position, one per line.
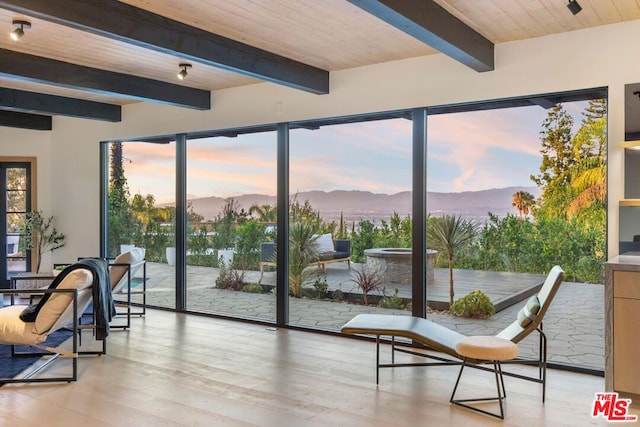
(18, 32)
(574, 7)
(182, 74)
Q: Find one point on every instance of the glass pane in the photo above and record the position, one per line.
(15, 222)
(16, 201)
(533, 182)
(231, 183)
(16, 205)
(142, 213)
(17, 178)
(350, 226)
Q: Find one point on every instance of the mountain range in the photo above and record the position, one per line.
(356, 204)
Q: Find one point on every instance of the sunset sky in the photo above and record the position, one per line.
(465, 152)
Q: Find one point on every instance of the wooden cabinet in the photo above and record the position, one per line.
(626, 328)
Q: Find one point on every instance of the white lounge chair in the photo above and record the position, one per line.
(60, 305)
(442, 339)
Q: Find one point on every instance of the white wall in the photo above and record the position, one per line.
(597, 57)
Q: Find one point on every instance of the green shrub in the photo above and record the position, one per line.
(202, 260)
(337, 295)
(252, 288)
(475, 305)
(394, 301)
(590, 270)
(321, 287)
(249, 237)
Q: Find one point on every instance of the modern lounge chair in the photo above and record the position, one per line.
(60, 305)
(442, 339)
(122, 271)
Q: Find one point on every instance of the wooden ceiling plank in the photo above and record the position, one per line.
(43, 70)
(120, 21)
(430, 23)
(32, 102)
(16, 119)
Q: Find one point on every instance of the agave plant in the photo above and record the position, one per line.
(448, 234)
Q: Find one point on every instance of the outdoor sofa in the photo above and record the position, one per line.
(329, 250)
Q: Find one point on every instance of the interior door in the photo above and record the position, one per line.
(15, 202)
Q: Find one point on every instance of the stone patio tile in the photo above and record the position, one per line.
(574, 323)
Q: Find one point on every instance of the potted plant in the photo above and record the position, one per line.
(40, 236)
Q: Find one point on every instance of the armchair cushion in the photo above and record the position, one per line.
(13, 330)
(51, 311)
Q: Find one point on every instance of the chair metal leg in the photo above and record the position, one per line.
(377, 359)
(501, 398)
(455, 387)
(543, 357)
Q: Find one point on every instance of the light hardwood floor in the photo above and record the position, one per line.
(183, 370)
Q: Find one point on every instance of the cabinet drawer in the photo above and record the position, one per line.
(626, 284)
(626, 351)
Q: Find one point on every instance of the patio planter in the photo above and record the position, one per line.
(226, 255)
(170, 253)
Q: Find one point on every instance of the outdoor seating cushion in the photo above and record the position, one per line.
(527, 314)
(332, 255)
(324, 243)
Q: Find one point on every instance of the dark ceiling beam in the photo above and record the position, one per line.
(25, 121)
(31, 68)
(120, 21)
(433, 25)
(543, 102)
(32, 102)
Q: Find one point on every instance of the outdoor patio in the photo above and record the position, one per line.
(574, 324)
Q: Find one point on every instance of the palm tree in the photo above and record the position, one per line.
(265, 213)
(448, 234)
(523, 201)
(589, 180)
(588, 177)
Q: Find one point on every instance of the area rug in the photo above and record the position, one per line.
(12, 366)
